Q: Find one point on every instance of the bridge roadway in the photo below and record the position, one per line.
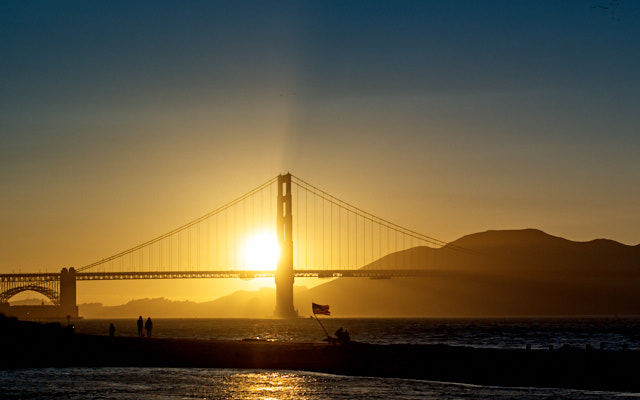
(60, 288)
(242, 274)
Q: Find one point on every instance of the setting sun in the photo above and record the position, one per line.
(261, 251)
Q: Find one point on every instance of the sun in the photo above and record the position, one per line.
(261, 251)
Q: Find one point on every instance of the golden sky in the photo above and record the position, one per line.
(120, 121)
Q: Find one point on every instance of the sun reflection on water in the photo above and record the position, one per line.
(274, 385)
(258, 385)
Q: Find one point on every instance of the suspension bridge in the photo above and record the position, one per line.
(284, 228)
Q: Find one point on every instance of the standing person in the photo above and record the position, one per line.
(140, 326)
(112, 330)
(148, 326)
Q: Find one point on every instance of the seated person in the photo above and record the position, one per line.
(343, 335)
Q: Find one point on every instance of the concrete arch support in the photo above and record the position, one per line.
(68, 292)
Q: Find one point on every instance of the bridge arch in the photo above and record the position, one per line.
(49, 293)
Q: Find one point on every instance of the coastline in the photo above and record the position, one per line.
(32, 345)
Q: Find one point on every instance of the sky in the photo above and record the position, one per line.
(120, 121)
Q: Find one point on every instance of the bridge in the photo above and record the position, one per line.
(253, 236)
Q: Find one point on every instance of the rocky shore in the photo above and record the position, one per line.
(32, 345)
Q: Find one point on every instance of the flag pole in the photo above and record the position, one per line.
(322, 310)
(322, 326)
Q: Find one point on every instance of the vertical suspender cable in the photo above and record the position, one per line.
(372, 241)
(226, 261)
(356, 241)
(216, 239)
(315, 234)
(404, 247)
(297, 243)
(306, 229)
(339, 237)
(379, 258)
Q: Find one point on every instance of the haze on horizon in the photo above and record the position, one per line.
(120, 121)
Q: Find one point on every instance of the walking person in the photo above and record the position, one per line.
(140, 323)
(148, 326)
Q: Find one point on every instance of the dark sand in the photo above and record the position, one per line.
(28, 345)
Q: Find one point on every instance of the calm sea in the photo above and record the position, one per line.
(191, 383)
(496, 333)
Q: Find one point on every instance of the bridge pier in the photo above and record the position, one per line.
(284, 271)
(68, 292)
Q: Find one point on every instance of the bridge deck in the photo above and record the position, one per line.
(335, 273)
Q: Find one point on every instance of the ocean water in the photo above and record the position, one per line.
(186, 383)
(493, 333)
(194, 383)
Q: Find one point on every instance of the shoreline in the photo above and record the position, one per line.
(31, 345)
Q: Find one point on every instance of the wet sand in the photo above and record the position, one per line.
(49, 346)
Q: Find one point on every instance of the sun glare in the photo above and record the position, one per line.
(261, 251)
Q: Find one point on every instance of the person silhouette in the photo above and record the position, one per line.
(148, 326)
(140, 323)
(343, 336)
(112, 330)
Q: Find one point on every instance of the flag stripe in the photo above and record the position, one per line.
(320, 309)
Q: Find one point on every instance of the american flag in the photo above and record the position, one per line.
(320, 309)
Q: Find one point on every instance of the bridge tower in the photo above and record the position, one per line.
(284, 270)
(68, 292)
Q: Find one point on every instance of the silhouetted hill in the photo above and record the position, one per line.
(517, 252)
(156, 307)
(497, 273)
(240, 304)
(535, 251)
(30, 302)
